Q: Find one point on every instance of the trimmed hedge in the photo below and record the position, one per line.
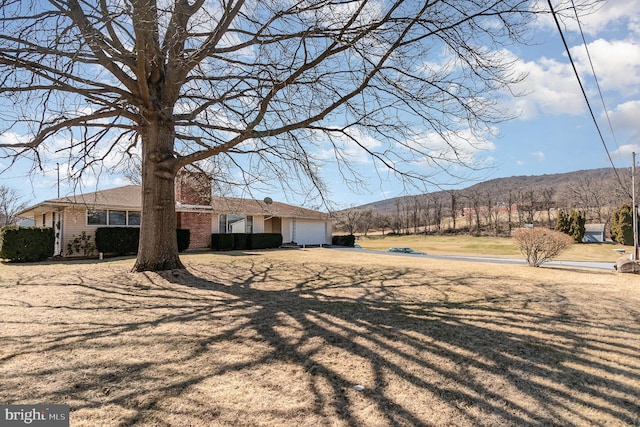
(26, 244)
(349, 240)
(242, 241)
(117, 240)
(124, 240)
(266, 240)
(184, 239)
(221, 242)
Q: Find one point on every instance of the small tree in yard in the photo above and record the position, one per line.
(577, 220)
(572, 224)
(540, 245)
(562, 222)
(622, 225)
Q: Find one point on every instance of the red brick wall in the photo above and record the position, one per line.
(200, 225)
(192, 189)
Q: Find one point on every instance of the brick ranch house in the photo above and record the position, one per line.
(201, 214)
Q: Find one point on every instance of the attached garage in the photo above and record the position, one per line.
(308, 232)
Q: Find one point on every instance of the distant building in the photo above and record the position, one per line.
(594, 233)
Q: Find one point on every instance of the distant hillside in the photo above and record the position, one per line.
(585, 189)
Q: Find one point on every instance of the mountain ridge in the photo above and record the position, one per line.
(579, 189)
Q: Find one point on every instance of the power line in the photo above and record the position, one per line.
(584, 93)
(593, 71)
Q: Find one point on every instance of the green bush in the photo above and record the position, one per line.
(572, 224)
(184, 239)
(577, 220)
(265, 240)
(242, 241)
(562, 222)
(349, 240)
(117, 240)
(622, 225)
(26, 244)
(124, 240)
(221, 242)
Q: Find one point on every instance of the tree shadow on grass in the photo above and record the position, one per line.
(426, 350)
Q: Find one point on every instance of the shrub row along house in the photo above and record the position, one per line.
(196, 211)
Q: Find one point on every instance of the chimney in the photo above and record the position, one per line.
(193, 188)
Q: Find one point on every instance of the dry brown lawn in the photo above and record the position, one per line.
(279, 338)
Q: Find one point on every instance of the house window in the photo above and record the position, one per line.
(117, 218)
(133, 218)
(113, 218)
(97, 217)
(222, 224)
(235, 224)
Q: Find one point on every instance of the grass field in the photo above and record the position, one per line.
(282, 338)
(488, 246)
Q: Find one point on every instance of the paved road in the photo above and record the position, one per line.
(579, 264)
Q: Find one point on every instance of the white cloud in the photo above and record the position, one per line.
(550, 88)
(8, 138)
(612, 12)
(622, 15)
(455, 147)
(616, 63)
(539, 155)
(624, 151)
(624, 120)
(625, 116)
(349, 148)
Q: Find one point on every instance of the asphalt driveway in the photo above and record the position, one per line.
(579, 264)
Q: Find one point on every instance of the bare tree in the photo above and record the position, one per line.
(548, 203)
(11, 204)
(454, 208)
(426, 212)
(490, 211)
(475, 198)
(349, 220)
(526, 202)
(382, 222)
(509, 209)
(438, 205)
(365, 221)
(256, 85)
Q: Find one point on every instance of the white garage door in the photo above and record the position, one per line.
(309, 232)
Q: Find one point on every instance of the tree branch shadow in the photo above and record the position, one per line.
(479, 358)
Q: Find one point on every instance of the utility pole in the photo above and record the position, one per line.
(635, 208)
(58, 169)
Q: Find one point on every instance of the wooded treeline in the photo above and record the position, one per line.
(495, 207)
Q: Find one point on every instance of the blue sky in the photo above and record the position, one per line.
(554, 132)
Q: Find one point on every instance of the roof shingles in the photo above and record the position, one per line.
(130, 197)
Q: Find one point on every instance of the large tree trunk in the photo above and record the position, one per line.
(158, 249)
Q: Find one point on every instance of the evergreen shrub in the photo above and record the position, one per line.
(622, 225)
(242, 241)
(26, 244)
(349, 240)
(124, 240)
(265, 240)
